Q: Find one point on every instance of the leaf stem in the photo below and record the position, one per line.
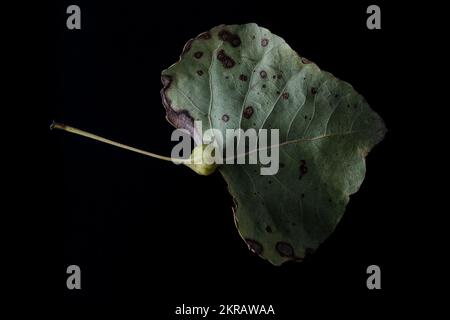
(63, 127)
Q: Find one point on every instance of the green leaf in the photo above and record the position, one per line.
(243, 76)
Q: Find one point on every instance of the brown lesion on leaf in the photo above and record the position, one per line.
(248, 112)
(198, 54)
(306, 61)
(303, 169)
(285, 95)
(225, 118)
(313, 90)
(254, 246)
(263, 74)
(285, 249)
(179, 119)
(264, 42)
(229, 37)
(200, 72)
(243, 77)
(226, 60)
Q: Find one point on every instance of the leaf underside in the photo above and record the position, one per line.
(243, 76)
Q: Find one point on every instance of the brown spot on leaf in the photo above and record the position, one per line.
(248, 112)
(198, 54)
(285, 95)
(225, 118)
(306, 61)
(226, 60)
(200, 72)
(284, 249)
(303, 168)
(269, 229)
(229, 37)
(179, 119)
(243, 77)
(166, 81)
(264, 42)
(313, 90)
(263, 74)
(264, 86)
(280, 76)
(254, 245)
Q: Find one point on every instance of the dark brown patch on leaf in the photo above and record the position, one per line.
(264, 86)
(264, 42)
(278, 92)
(313, 90)
(269, 229)
(303, 168)
(200, 72)
(205, 35)
(243, 77)
(198, 54)
(179, 119)
(226, 60)
(263, 74)
(248, 112)
(225, 118)
(254, 245)
(280, 76)
(285, 95)
(285, 249)
(229, 37)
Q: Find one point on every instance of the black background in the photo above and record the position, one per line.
(149, 235)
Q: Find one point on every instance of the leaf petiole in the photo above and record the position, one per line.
(63, 127)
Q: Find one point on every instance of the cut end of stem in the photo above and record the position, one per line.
(57, 125)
